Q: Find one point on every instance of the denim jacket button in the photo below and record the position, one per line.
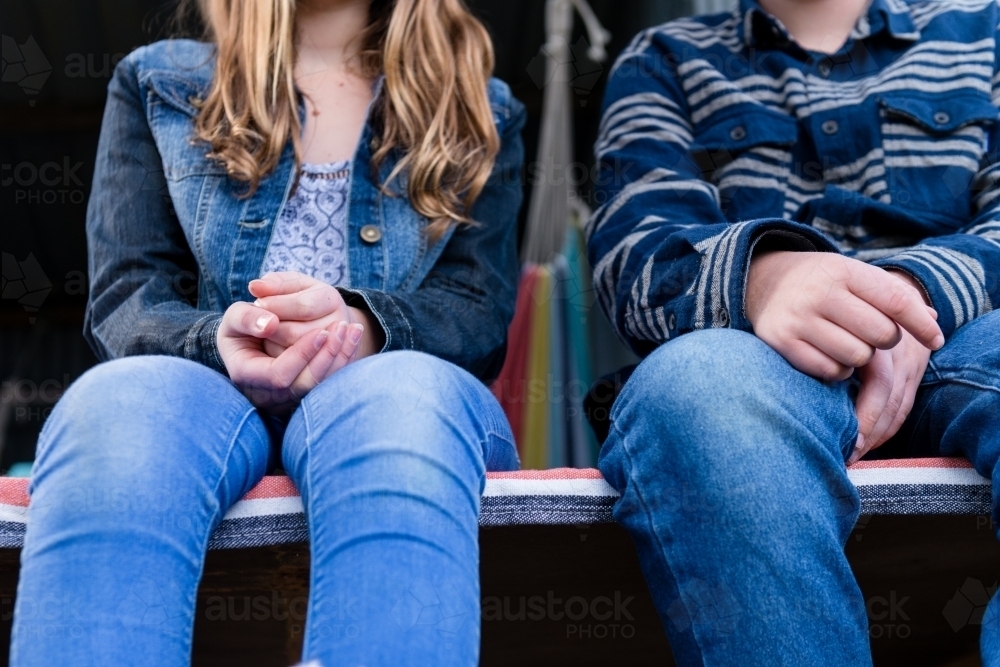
(371, 233)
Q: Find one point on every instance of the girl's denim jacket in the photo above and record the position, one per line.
(172, 243)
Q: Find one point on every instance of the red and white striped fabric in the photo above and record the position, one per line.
(272, 512)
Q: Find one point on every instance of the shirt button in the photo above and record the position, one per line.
(830, 127)
(941, 117)
(671, 322)
(723, 316)
(371, 233)
(824, 70)
(738, 133)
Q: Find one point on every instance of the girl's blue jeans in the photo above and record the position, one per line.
(731, 466)
(142, 457)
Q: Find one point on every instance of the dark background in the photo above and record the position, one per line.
(49, 125)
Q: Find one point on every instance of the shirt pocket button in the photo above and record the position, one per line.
(371, 234)
(738, 133)
(830, 127)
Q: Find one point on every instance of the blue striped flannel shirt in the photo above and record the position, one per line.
(720, 131)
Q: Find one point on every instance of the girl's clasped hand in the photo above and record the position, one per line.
(296, 334)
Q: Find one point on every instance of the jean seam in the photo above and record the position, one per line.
(203, 552)
(314, 572)
(663, 549)
(960, 381)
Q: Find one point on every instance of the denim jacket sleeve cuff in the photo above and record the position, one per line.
(202, 343)
(395, 326)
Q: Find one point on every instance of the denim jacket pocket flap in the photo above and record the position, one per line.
(940, 114)
(748, 128)
(178, 92)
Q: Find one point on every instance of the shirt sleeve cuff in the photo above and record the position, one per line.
(767, 235)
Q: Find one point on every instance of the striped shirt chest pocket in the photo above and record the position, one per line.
(747, 156)
(935, 139)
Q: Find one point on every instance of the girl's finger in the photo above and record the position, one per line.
(282, 282)
(311, 303)
(272, 348)
(289, 331)
(320, 367)
(289, 364)
(245, 319)
(352, 338)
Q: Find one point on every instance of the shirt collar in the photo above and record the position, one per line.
(757, 27)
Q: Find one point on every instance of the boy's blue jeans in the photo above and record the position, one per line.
(731, 466)
(143, 456)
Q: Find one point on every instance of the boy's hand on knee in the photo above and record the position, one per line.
(827, 314)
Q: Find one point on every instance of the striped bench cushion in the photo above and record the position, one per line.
(272, 512)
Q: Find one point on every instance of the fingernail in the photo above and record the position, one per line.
(356, 332)
(321, 338)
(340, 331)
(257, 303)
(263, 321)
(938, 342)
(859, 448)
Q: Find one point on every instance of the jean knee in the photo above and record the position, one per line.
(409, 399)
(705, 376)
(403, 382)
(143, 421)
(717, 420)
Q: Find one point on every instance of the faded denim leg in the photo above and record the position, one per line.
(136, 466)
(731, 469)
(390, 455)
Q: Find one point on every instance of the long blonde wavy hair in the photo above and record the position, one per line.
(436, 58)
